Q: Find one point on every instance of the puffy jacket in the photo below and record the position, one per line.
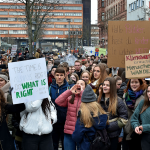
(116, 122)
(34, 121)
(80, 130)
(54, 92)
(63, 101)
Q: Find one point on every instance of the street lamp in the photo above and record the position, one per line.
(69, 20)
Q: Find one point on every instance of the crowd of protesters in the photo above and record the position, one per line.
(83, 99)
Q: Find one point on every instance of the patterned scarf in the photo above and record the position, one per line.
(130, 98)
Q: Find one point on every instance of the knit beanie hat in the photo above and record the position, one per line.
(88, 95)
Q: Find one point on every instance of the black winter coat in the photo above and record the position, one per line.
(123, 86)
(114, 130)
(6, 140)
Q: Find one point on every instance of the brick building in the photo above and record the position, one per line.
(109, 10)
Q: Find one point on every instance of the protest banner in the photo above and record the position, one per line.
(126, 38)
(89, 50)
(13, 50)
(101, 51)
(137, 66)
(28, 80)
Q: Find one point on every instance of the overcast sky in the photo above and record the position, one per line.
(94, 13)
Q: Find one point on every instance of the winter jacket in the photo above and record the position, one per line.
(6, 140)
(128, 129)
(37, 55)
(54, 92)
(34, 121)
(6, 90)
(50, 79)
(116, 122)
(123, 86)
(144, 117)
(63, 101)
(78, 73)
(80, 130)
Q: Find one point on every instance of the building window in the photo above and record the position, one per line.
(116, 10)
(53, 32)
(3, 31)
(102, 3)
(139, 3)
(73, 14)
(17, 32)
(77, 20)
(3, 13)
(103, 16)
(142, 3)
(119, 8)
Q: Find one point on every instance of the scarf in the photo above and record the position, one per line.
(131, 97)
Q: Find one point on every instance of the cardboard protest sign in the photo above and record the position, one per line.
(126, 38)
(137, 66)
(28, 80)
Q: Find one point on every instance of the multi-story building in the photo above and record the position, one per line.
(94, 35)
(109, 10)
(138, 10)
(12, 22)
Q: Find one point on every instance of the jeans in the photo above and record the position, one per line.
(69, 144)
(57, 134)
(36, 142)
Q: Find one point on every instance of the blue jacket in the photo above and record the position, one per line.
(80, 130)
(54, 92)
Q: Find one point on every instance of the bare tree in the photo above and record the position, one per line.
(38, 14)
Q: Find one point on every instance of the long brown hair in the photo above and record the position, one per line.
(113, 96)
(2, 104)
(89, 109)
(146, 101)
(103, 74)
(143, 85)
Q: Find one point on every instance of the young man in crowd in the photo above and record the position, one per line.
(78, 69)
(57, 88)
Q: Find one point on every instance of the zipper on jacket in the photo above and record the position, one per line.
(77, 105)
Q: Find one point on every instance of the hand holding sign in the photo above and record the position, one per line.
(28, 80)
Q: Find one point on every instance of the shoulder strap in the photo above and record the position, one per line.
(88, 138)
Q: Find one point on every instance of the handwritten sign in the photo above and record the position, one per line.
(29, 80)
(137, 66)
(126, 38)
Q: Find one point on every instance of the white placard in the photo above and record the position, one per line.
(29, 80)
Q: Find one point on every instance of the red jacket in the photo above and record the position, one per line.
(72, 111)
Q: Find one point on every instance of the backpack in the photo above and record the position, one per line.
(101, 140)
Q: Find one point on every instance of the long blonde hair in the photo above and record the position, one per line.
(88, 111)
